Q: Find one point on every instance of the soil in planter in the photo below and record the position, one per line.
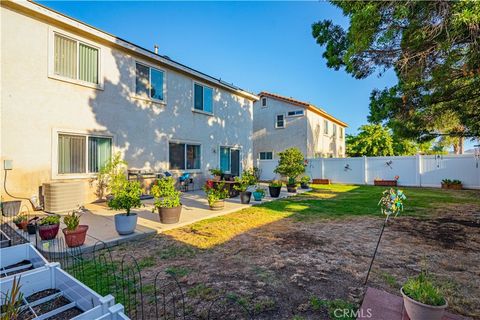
(41, 294)
(19, 264)
(51, 305)
(67, 314)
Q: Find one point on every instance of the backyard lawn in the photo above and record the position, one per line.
(302, 257)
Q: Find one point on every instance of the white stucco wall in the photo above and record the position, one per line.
(268, 138)
(33, 106)
(323, 144)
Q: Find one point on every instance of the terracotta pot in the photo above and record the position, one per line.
(419, 311)
(75, 238)
(245, 197)
(291, 188)
(274, 191)
(218, 205)
(22, 225)
(48, 232)
(170, 215)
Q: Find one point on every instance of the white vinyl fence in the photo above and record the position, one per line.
(419, 170)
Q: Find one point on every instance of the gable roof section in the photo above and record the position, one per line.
(305, 105)
(31, 8)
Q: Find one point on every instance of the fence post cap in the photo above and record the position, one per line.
(116, 308)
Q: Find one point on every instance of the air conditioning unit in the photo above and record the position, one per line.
(61, 197)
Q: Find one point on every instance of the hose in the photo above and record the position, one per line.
(20, 198)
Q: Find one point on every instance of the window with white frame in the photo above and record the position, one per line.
(265, 155)
(184, 156)
(264, 102)
(203, 98)
(75, 60)
(79, 154)
(280, 121)
(295, 113)
(325, 126)
(149, 82)
(334, 130)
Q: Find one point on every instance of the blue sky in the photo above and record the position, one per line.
(258, 46)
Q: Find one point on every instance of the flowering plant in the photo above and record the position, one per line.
(215, 192)
(392, 202)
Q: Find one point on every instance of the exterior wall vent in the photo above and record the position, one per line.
(61, 197)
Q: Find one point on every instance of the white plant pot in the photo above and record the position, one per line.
(125, 224)
(420, 311)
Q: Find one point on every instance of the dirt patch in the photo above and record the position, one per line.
(276, 269)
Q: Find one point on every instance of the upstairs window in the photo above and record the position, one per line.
(183, 156)
(149, 82)
(280, 121)
(203, 98)
(75, 60)
(334, 131)
(296, 113)
(267, 155)
(341, 132)
(325, 126)
(264, 102)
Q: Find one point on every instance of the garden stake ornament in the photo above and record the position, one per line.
(390, 203)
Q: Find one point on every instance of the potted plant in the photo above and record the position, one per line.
(259, 193)
(216, 194)
(422, 299)
(274, 188)
(21, 221)
(291, 165)
(216, 173)
(32, 225)
(74, 233)
(304, 181)
(48, 227)
(167, 200)
(452, 184)
(126, 196)
(242, 184)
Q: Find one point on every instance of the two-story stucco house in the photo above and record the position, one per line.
(72, 95)
(280, 123)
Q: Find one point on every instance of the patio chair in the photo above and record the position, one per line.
(185, 182)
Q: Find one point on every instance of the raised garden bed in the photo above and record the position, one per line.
(321, 181)
(456, 186)
(385, 183)
(51, 293)
(19, 259)
(4, 240)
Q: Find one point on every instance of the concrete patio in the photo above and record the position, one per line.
(100, 220)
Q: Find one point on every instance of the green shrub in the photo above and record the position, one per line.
(126, 196)
(165, 194)
(448, 181)
(216, 172)
(422, 289)
(248, 179)
(71, 221)
(305, 179)
(275, 183)
(291, 163)
(215, 192)
(111, 176)
(20, 218)
(49, 220)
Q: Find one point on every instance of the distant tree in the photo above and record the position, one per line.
(434, 48)
(373, 140)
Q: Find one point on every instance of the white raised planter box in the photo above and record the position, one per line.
(19, 259)
(51, 276)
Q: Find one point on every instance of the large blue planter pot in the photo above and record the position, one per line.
(258, 196)
(125, 224)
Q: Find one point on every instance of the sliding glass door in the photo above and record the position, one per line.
(230, 160)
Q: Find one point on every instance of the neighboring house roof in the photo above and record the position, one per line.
(37, 10)
(305, 105)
